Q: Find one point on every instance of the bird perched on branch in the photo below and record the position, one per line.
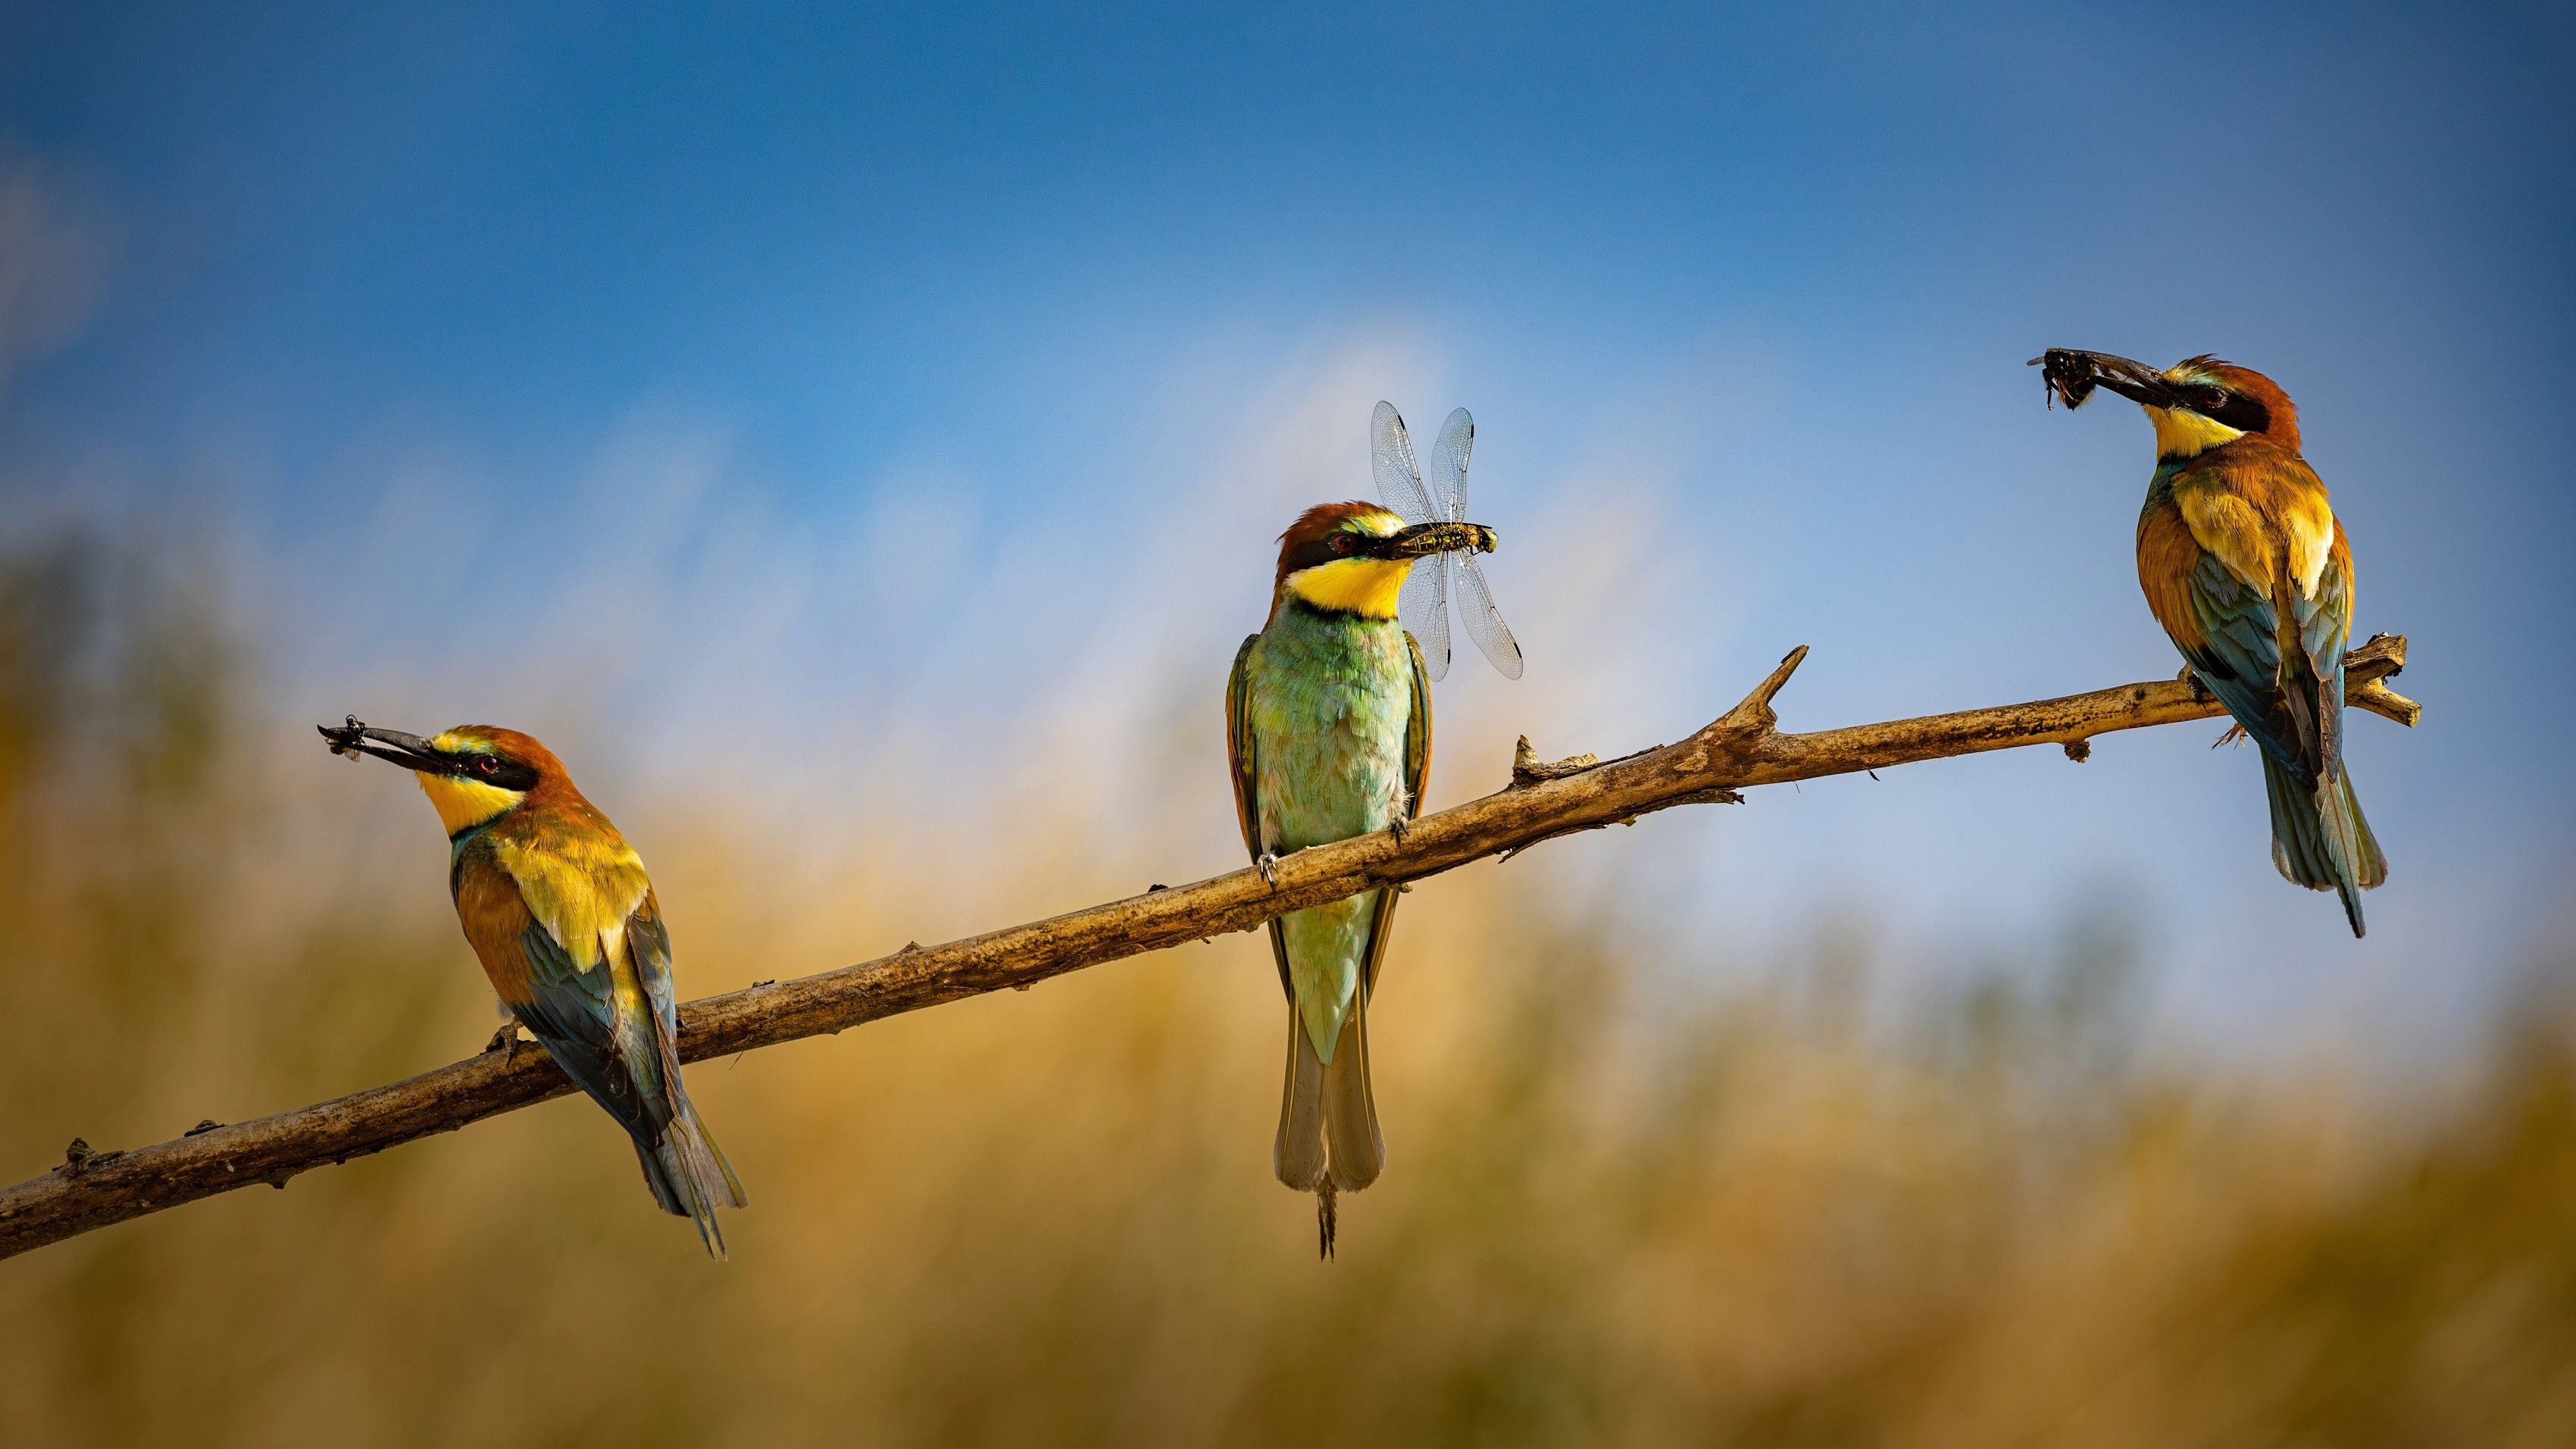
(2245, 565)
(558, 908)
(1328, 729)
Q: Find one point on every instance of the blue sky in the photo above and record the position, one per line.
(895, 373)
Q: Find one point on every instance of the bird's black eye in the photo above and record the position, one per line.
(1344, 543)
(2212, 399)
(486, 765)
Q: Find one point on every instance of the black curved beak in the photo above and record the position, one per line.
(1430, 538)
(409, 751)
(2072, 375)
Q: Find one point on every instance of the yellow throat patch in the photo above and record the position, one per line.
(1364, 586)
(464, 804)
(2184, 434)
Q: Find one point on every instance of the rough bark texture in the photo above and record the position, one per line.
(1741, 748)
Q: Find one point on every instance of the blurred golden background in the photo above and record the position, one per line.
(1797, 1210)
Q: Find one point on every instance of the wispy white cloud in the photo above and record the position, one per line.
(56, 249)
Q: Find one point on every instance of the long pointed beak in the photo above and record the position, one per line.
(409, 751)
(2072, 375)
(1431, 538)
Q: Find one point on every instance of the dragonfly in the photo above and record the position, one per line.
(1425, 601)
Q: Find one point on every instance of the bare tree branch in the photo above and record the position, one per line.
(1741, 748)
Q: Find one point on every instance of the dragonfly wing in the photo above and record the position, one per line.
(1485, 622)
(1449, 467)
(1425, 607)
(1399, 478)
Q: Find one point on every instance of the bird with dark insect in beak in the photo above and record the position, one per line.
(557, 907)
(1328, 731)
(2247, 568)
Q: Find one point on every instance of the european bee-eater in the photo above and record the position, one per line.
(558, 908)
(2248, 570)
(1328, 728)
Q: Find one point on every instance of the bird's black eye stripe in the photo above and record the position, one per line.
(1315, 551)
(500, 770)
(2237, 410)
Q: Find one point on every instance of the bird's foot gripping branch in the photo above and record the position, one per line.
(1742, 748)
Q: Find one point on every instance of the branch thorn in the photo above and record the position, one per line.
(1529, 769)
(1752, 714)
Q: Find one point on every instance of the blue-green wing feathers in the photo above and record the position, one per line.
(574, 1016)
(1243, 759)
(2240, 655)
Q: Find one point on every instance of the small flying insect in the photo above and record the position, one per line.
(1425, 600)
(2071, 376)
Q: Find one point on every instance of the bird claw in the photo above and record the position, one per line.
(1399, 827)
(1268, 865)
(2235, 736)
(506, 1042)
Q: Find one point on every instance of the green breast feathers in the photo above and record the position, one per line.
(1330, 698)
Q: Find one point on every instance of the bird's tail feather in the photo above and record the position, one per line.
(2320, 838)
(1350, 1109)
(1298, 1153)
(690, 1177)
(1328, 1140)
